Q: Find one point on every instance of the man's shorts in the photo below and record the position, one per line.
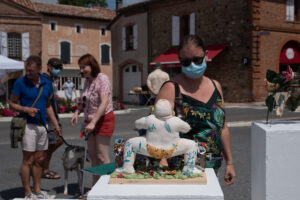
(35, 138)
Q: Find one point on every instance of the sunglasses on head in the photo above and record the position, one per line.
(197, 60)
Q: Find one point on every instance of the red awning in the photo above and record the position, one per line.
(290, 54)
(170, 57)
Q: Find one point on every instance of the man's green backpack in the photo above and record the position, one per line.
(18, 125)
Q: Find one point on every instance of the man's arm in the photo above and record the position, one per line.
(14, 105)
(52, 117)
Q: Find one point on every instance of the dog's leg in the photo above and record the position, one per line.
(66, 181)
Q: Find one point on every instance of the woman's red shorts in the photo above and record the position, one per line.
(105, 125)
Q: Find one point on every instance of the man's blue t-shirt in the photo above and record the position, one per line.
(27, 93)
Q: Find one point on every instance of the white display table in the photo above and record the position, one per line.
(275, 160)
(211, 191)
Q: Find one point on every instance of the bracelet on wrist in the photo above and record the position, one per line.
(229, 163)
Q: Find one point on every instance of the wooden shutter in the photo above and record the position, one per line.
(192, 24)
(123, 38)
(25, 46)
(3, 43)
(135, 36)
(175, 30)
(290, 10)
(105, 58)
(65, 52)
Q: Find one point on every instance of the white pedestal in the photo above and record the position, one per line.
(211, 191)
(275, 160)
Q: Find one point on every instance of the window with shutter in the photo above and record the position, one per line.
(192, 24)
(14, 45)
(290, 10)
(105, 57)
(65, 52)
(129, 37)
(135, 36)
(78, 28)
(25, 46)
(53, 25)
(297, 10)
(184, 26)
(102, 30)
(3, 43)
(175, 30)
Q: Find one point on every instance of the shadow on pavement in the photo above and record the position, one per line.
(12, 193)
(73, 191)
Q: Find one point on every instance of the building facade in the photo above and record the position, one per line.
(20, 36)
(68, 32)
(54, 30)
(276, 39)
(252, 36)
(130, 52)
(20, 29)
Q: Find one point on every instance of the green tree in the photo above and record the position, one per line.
(84, 3)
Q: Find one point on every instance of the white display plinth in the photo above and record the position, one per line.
(211, 191)
(275, 160)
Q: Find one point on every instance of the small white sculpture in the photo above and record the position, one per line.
(162, 140)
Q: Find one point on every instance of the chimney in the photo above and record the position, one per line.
(119, 4)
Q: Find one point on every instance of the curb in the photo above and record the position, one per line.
(69, 115)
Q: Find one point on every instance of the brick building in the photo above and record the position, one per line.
(69, 32)
(20, 29)
(244, 38)
(53, 30)
(20, 35)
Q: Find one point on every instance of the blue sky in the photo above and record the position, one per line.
(111, 3)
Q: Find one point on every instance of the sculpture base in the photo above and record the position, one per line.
(192, 181)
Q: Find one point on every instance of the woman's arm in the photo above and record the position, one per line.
(167, 92)
(229, 176)
(100, 112)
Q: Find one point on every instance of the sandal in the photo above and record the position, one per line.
(50, 175)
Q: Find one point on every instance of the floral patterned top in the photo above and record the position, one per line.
(207, 121)
(91, 95)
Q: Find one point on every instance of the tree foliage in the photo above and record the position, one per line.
(84, 3)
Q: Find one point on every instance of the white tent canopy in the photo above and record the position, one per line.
(10, 65)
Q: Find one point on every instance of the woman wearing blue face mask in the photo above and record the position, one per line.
(202, 105)
(54, 67)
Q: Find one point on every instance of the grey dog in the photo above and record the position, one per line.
(73, 159)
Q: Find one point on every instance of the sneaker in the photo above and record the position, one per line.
(44, 195)
(30, 196)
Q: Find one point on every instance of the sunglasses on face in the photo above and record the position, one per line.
(197, 60)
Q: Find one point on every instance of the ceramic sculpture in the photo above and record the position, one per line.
(161, 140)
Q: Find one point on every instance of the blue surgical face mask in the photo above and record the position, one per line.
(193, 70)
(55, 72)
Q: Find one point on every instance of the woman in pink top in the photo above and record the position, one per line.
(96, 103)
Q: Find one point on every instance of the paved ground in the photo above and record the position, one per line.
(239, 117)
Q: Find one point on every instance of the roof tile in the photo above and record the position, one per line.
(67, 10)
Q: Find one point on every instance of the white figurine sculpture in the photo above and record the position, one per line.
(162, 140)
